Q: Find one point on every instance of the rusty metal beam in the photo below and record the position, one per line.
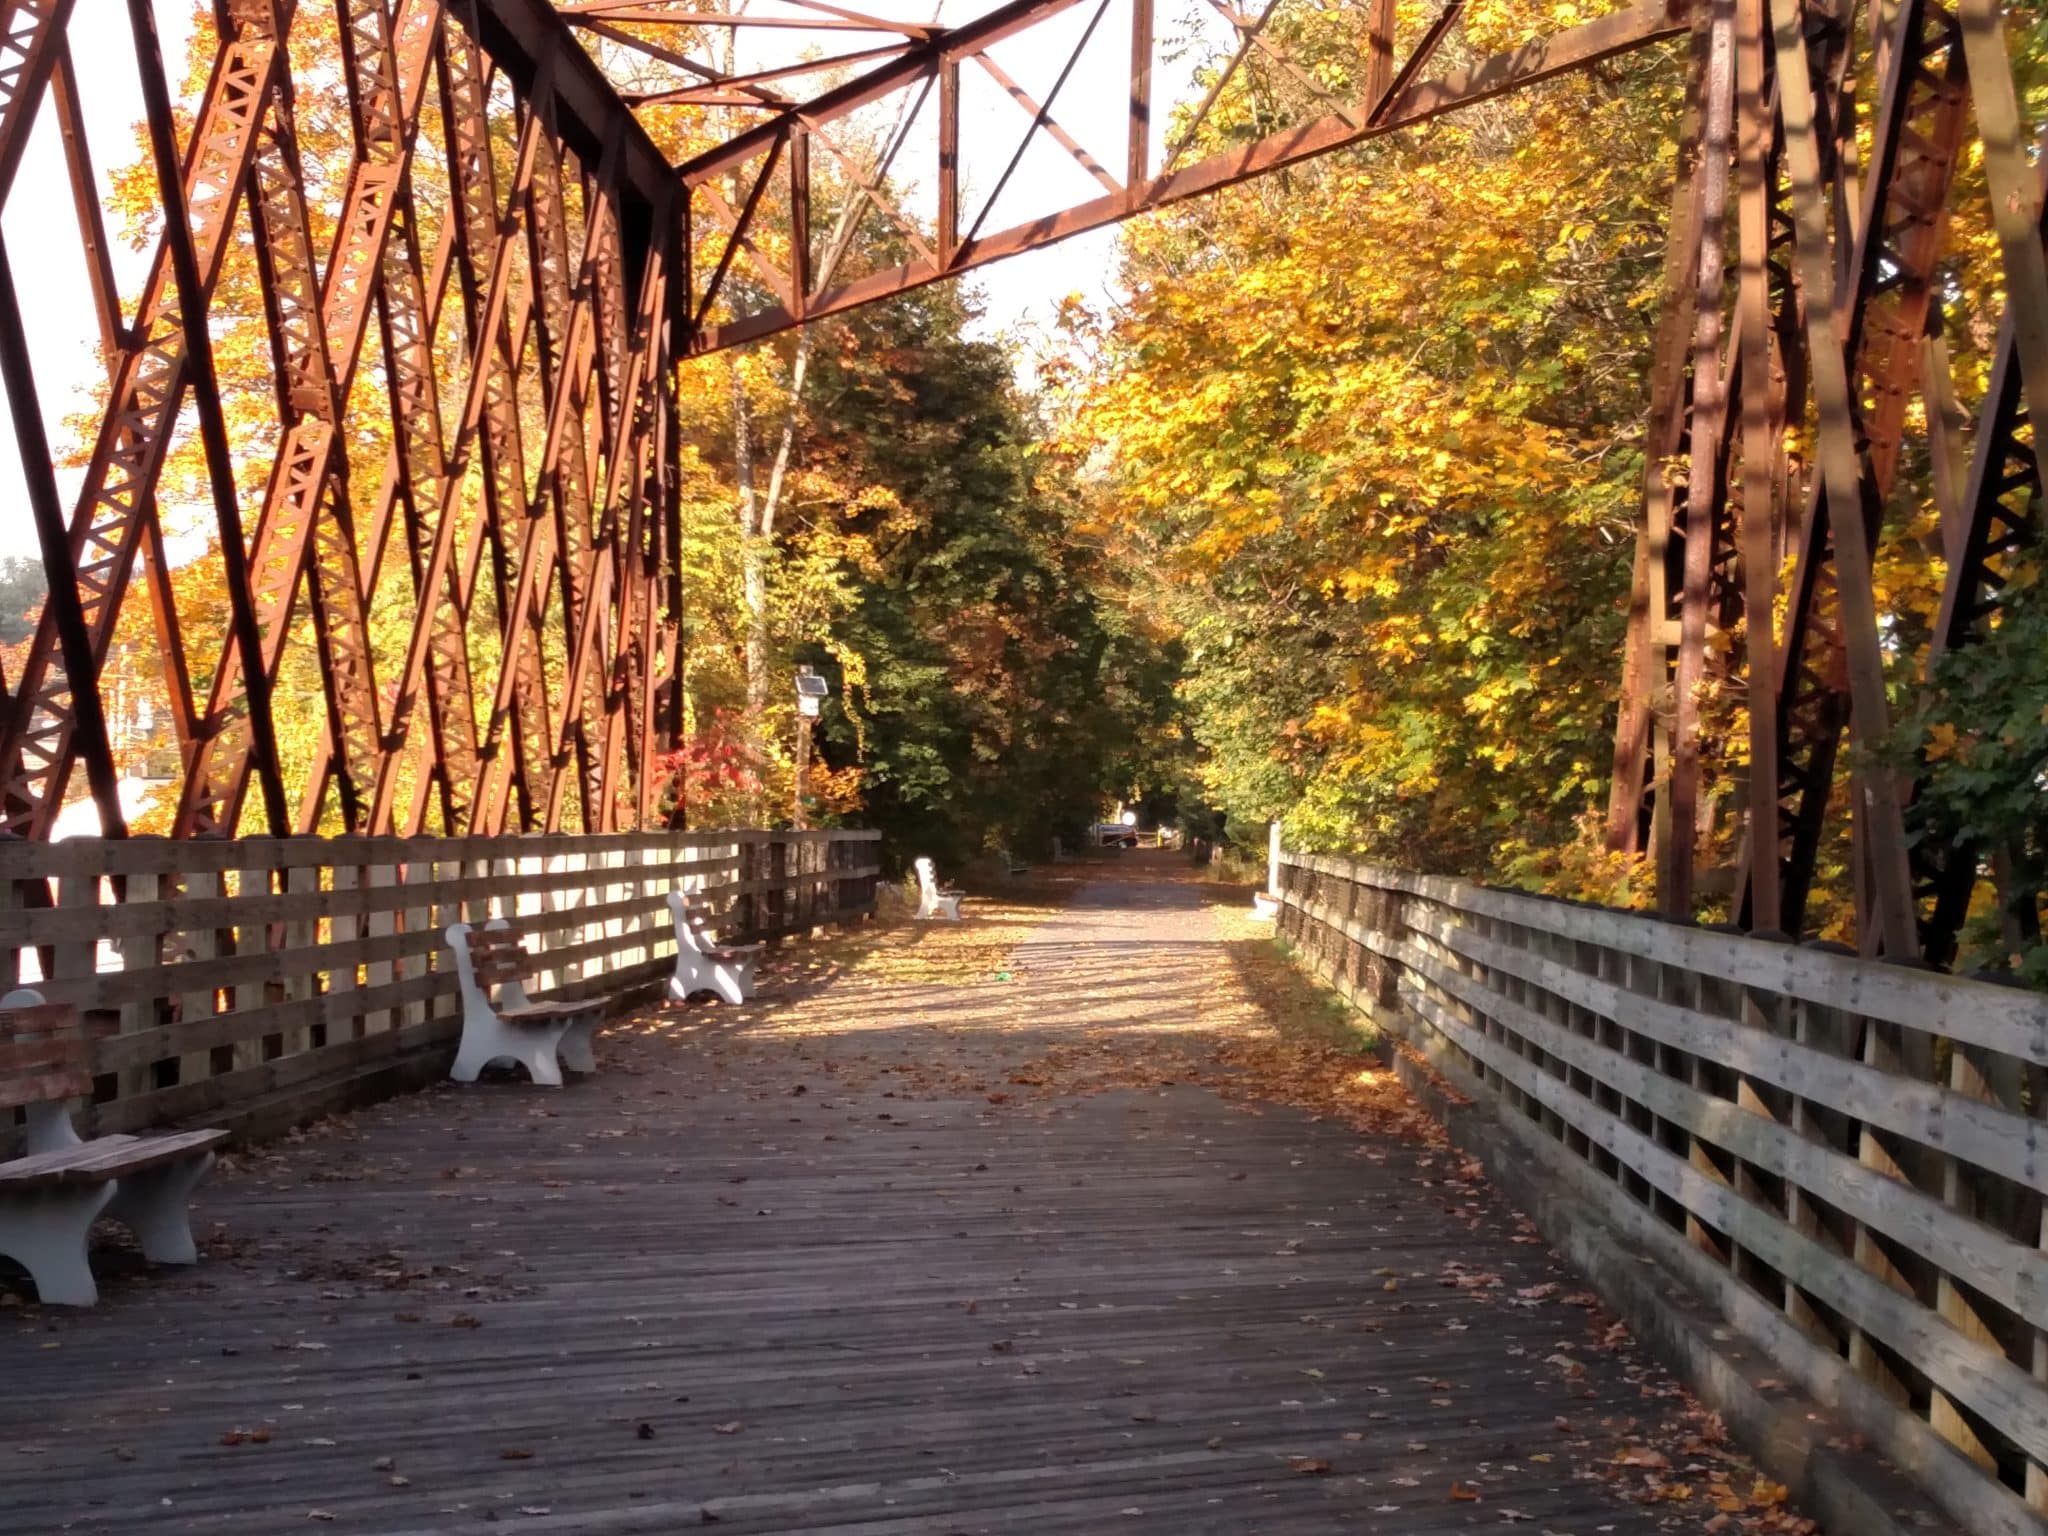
(1762, 448)
(92, 231)
(521, 36)
(17, 369)
(714, 79)
(1842, 485)
(1412, 102)
(1831, 667)
(213, 432)
(1705, 480)
(1041, 117)
(32, 37)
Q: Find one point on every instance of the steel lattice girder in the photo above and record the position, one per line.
(1405, 100)
(561, 525)
(244, 163)
(582, 268)
(1841, 250)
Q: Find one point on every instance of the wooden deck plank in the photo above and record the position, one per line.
(851, 1276)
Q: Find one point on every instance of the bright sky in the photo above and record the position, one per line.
(1020, 295)
(41, 231)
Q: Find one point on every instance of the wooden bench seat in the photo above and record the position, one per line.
(702, 963)
(50, 1198)
(541, 1037)
(543, 1013)
(106, 1157)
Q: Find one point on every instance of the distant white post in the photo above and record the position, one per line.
(1273, 858)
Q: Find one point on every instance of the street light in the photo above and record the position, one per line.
(811, 690)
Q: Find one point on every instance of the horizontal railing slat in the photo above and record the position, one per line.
(1858, 1147)
(1977, 1375)
(209, 969)
(25, 926)
(2004, 1019)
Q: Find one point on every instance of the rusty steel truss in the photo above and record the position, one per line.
(549, 209)
(1829, 136)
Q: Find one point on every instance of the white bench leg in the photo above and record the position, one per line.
(156, 1206)
(574, 1051)
(483, 1042)
(731, 980)
(726, 982)
(541, 1059)
(689, 977)
(487, 1040)
(46, 1232)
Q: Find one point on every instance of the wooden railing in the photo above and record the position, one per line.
(257, 981)
(1849, 1156)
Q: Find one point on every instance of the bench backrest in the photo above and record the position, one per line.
(927, 879)
(497, 957)
(693, 922)
(43, 1055)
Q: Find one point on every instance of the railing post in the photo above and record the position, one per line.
(135, 953)
(382, 924)
(748, 902)
(778, 890)
(200, 945)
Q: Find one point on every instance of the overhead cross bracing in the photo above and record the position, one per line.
(972, 212)
(450, 505)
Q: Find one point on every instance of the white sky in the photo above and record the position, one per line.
(43, 245)
(1020, 295)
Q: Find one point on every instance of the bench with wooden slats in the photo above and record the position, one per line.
(50, 1198)
(500, 959)
(934, 899)
(542, 1037)
(702, 963)
(106, 1157)
(706, 938)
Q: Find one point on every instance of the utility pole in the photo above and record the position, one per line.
(810, 697)
(803, 769)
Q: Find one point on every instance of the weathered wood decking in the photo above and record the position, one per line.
(901, 1247)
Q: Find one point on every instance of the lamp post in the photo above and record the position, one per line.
(810, 695)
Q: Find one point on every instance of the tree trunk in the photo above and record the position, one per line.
(754, 546)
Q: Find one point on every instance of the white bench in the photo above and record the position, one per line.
(933, 899)
(541, 1037)
(50, 1198)
(702, 963)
